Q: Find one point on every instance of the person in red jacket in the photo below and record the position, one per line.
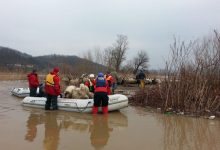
(109, 79)
(100, 95)
(52, 89)
(33, 82)
(90, 83)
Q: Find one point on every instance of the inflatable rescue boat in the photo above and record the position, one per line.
(20, 92)
(116, 102)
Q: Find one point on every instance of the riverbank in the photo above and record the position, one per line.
(151, 97)
(13, 76)
(7, 76)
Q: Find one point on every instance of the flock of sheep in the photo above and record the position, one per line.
(81, 92)
(77, 90)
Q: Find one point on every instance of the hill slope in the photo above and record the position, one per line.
(11, 56)
(13, 59)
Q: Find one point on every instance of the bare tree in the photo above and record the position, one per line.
(119, 51)
(140, 60)
(98, 55)
(108, 58)
(113, 56)
(88, 55)
(128, 68)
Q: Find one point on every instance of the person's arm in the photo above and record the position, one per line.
(107, 84)
(56, 85)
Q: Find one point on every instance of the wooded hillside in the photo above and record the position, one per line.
(13, 60)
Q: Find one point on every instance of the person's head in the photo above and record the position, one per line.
(108, 72)
(91, 76)
(34, 70)
(56, 70)
(100, 74)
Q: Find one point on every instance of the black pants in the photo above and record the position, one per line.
(41, 93)
(100, 98)
(33, 92)
(51, 100)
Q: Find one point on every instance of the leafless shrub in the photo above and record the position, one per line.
(192, 80)
(147, 97)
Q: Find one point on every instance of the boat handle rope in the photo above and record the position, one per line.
(81, 110)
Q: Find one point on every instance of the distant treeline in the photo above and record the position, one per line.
(13, 60)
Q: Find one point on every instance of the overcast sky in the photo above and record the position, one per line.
(71, 27)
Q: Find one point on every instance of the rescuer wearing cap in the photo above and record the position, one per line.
(90, 83)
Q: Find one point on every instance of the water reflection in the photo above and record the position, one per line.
(99, 131)
(189, 133)
(98, 126)
(52, 131)
(32, 123)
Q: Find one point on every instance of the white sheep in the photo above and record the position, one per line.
(68, 91)
(85, 88)
(75, 93)
(81, 92)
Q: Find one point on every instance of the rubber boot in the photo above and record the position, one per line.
(105, 110)
(94, 110)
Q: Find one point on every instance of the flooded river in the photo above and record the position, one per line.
(132, 128)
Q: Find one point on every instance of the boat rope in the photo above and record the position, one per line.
(81, 110)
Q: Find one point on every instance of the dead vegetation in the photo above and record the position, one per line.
(7, 76)
(192, 79)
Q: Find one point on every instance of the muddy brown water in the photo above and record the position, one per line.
(132, 128)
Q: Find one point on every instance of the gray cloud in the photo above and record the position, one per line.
(71, 26)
